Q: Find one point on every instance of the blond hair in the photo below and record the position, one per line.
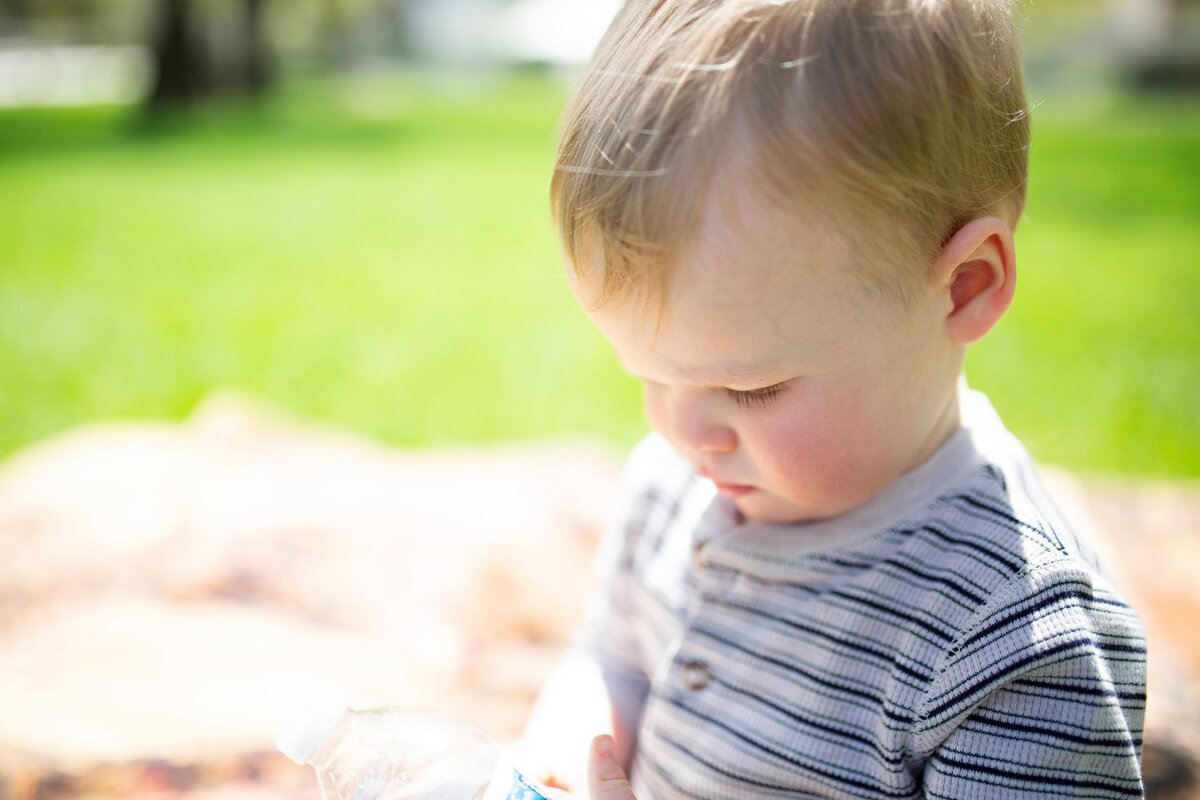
(911, 109)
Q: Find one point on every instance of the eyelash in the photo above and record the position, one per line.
(758, 397)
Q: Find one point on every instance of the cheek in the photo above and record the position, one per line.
(817, 450)
(796, 447)
(653, 410)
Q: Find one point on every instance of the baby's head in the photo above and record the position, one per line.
(789, 218)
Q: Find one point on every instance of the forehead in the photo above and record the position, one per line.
(760, 290)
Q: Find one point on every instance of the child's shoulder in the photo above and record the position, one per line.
(1007, 546)
(1004, 500)
(1029, 578)
(654, 461)
(1036, 609)
(661, 491)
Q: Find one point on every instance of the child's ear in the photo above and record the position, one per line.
(977, 269)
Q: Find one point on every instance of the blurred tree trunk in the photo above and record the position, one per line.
(1166, 55)
(179, 56)
(259, 71)
(185, 71)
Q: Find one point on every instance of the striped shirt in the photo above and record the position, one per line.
(952, 638)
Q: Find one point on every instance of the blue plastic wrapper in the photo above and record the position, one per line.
(523, 789)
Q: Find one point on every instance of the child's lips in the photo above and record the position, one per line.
(728, 489)
(733, 489)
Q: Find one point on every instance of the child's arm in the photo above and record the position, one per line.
(1042, 696)
(599, 686)
(582, 699)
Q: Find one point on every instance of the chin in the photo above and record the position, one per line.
(774, 514)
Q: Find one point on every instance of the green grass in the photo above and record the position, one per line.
(1097, 364)
(380, 257)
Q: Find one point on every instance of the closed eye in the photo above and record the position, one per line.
(757, 397)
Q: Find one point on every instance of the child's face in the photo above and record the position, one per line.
(799, 393)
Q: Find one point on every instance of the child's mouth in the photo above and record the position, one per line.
(733, 489)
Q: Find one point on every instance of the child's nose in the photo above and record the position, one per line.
(696, 429)
(716, 439)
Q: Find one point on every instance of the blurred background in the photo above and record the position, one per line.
(278, 286)
(327, 203)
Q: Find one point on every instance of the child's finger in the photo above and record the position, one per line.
(606, 779)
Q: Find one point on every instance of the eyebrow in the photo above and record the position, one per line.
(753, 373)
(732, 373)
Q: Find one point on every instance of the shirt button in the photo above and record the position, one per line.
(698, 557)
(695, 675)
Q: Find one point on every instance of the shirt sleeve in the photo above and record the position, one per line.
(610, 636)
(1043, 695)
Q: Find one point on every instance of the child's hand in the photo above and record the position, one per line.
(606, 779)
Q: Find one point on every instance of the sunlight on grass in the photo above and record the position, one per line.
(381, 257)
(1096, 365)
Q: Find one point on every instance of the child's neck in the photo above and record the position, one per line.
(948, 421)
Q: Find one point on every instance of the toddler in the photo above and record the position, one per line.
(834, 573)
